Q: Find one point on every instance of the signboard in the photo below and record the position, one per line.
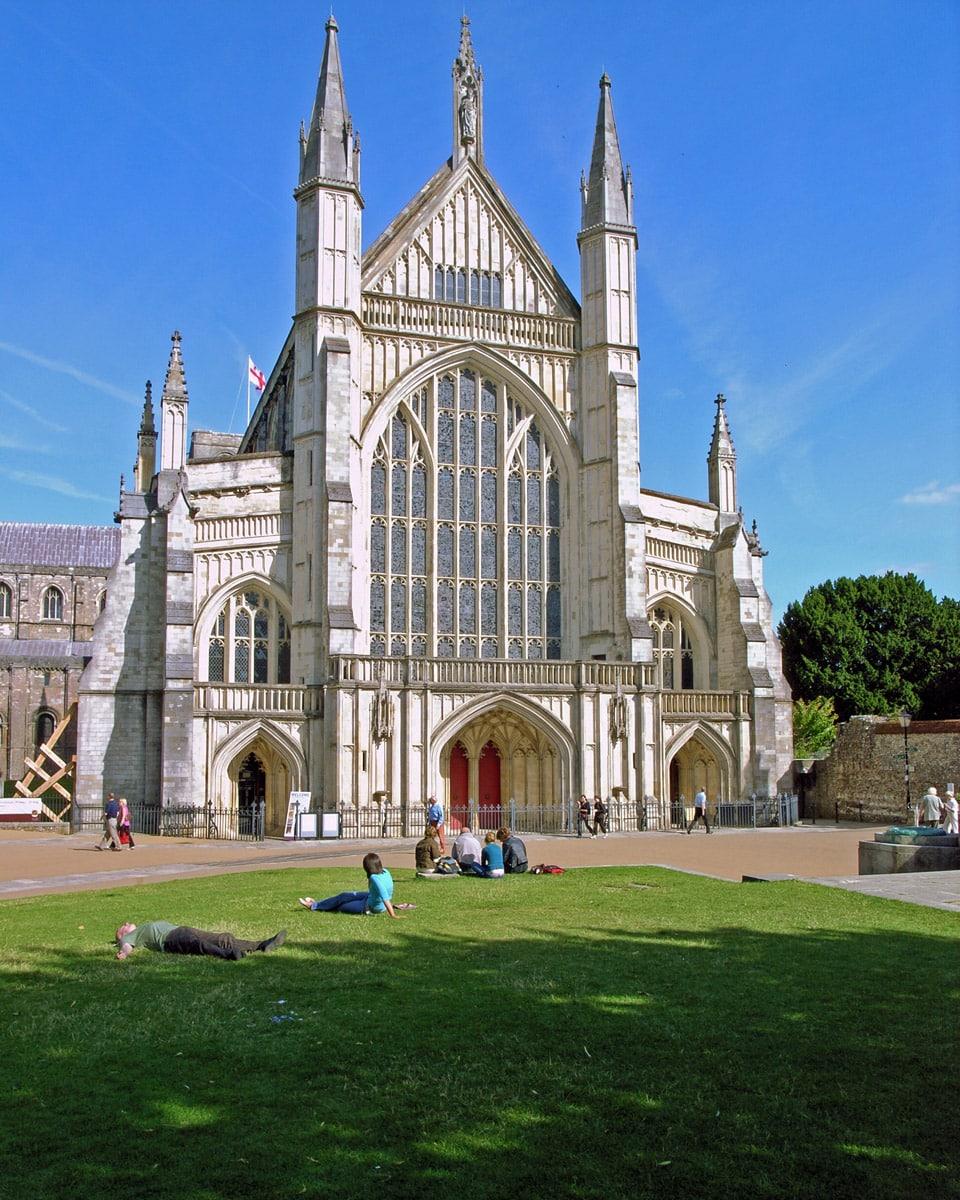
(299, 802)
(331, 825)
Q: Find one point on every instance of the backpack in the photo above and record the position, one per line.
(546, 869)
(446, 866)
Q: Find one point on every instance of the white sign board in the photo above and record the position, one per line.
(299, 802)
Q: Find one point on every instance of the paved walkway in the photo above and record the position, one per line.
(34, 863)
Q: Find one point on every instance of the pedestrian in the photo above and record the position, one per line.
(951, 824)
(124, 823)
(184, 939)
(514, 851)
(930, 808)
(583, 817)
(599, 817)
(377, 899)
(435, 820)
(111, 814)
(699, 811)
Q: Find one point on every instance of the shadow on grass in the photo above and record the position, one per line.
(617, 1057)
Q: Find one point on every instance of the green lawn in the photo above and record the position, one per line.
(622, 1032)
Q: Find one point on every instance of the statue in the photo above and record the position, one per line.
(468, 110)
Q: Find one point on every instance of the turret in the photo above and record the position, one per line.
(722, 465)
(329, 149)
(146, 446)
(173, 412)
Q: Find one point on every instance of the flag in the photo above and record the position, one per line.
(257, 377)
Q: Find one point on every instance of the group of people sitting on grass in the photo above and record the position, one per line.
(502, 853)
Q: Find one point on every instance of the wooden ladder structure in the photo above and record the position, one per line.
(48, 770)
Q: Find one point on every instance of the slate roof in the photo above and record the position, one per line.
(27, 544)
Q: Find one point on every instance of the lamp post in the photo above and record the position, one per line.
(904, 718)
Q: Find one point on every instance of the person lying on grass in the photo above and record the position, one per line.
(184, 939)
(378, 899)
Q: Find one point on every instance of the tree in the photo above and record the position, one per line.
(874, 644)
(814, 726)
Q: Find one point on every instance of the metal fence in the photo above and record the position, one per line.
(754, 812)
(182, 821)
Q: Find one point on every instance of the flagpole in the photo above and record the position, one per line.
(248, 391)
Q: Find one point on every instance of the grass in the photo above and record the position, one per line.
(623, 1032)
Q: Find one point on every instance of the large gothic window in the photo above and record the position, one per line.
(672, 650)
(465, 554)
(249, 642)
(53, 604)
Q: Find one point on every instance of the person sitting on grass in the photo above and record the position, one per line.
(467, 849)
(378, 899)
(514, 851)
(427, 851)
(491, 857)
(184, 939)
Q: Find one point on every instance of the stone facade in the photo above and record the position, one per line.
(863, 777)
(53, 581)
(428, 566)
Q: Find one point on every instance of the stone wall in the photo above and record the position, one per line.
(863, 777)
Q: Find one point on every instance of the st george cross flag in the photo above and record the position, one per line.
(257, 377)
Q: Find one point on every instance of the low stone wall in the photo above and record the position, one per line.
(863, 777)
(891, 854)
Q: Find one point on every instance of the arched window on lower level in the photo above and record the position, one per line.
(249, 642)
(46, 724)
(672, 650)
(6, 602)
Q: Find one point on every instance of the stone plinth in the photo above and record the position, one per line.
(905, 848)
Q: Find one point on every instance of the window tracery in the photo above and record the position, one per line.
(672, 650)
(480, 533)
(249, 642)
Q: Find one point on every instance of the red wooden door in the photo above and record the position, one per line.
(459, 788)
(489, 787)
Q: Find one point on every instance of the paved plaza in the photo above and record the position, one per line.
(34, 863)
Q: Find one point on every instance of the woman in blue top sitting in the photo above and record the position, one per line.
(378, 899)
(491, 857)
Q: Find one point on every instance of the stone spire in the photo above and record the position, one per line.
(467, 101)
(722, 463)
(607, 194)
(173, 412)
(146, 445)
(329, 149)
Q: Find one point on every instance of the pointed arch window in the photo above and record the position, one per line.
(672, 650)
(53, 604)
(249, 641)
(6, 602)
(479, 534)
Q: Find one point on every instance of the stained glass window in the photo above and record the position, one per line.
(457, 517)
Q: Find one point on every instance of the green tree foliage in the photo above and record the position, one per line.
(814, 726)
(874, 644)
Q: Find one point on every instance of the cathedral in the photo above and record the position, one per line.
(428, 566)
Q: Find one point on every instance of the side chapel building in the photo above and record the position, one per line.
(428, 565)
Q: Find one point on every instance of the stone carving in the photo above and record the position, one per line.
(382, 713)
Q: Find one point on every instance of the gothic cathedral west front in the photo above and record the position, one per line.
(428, 567)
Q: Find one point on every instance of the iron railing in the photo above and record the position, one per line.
(244, 824)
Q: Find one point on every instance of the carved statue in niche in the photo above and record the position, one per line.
(382, 713)
(468, 109)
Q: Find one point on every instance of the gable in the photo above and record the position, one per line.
(460, 241)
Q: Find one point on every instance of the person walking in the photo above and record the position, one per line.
(699, 811)
(599, 817)
(125, 823)
(931, 806)
(583, 817)
(111, 814)
(951, 811)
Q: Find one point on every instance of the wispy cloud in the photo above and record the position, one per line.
(932, 493)
(31, 412)
(62, 368)
(53, 483)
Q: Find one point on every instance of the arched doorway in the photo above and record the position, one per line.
(501, 758)
(251, 790)
(698, 763)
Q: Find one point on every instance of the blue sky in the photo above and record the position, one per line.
(797, 201)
